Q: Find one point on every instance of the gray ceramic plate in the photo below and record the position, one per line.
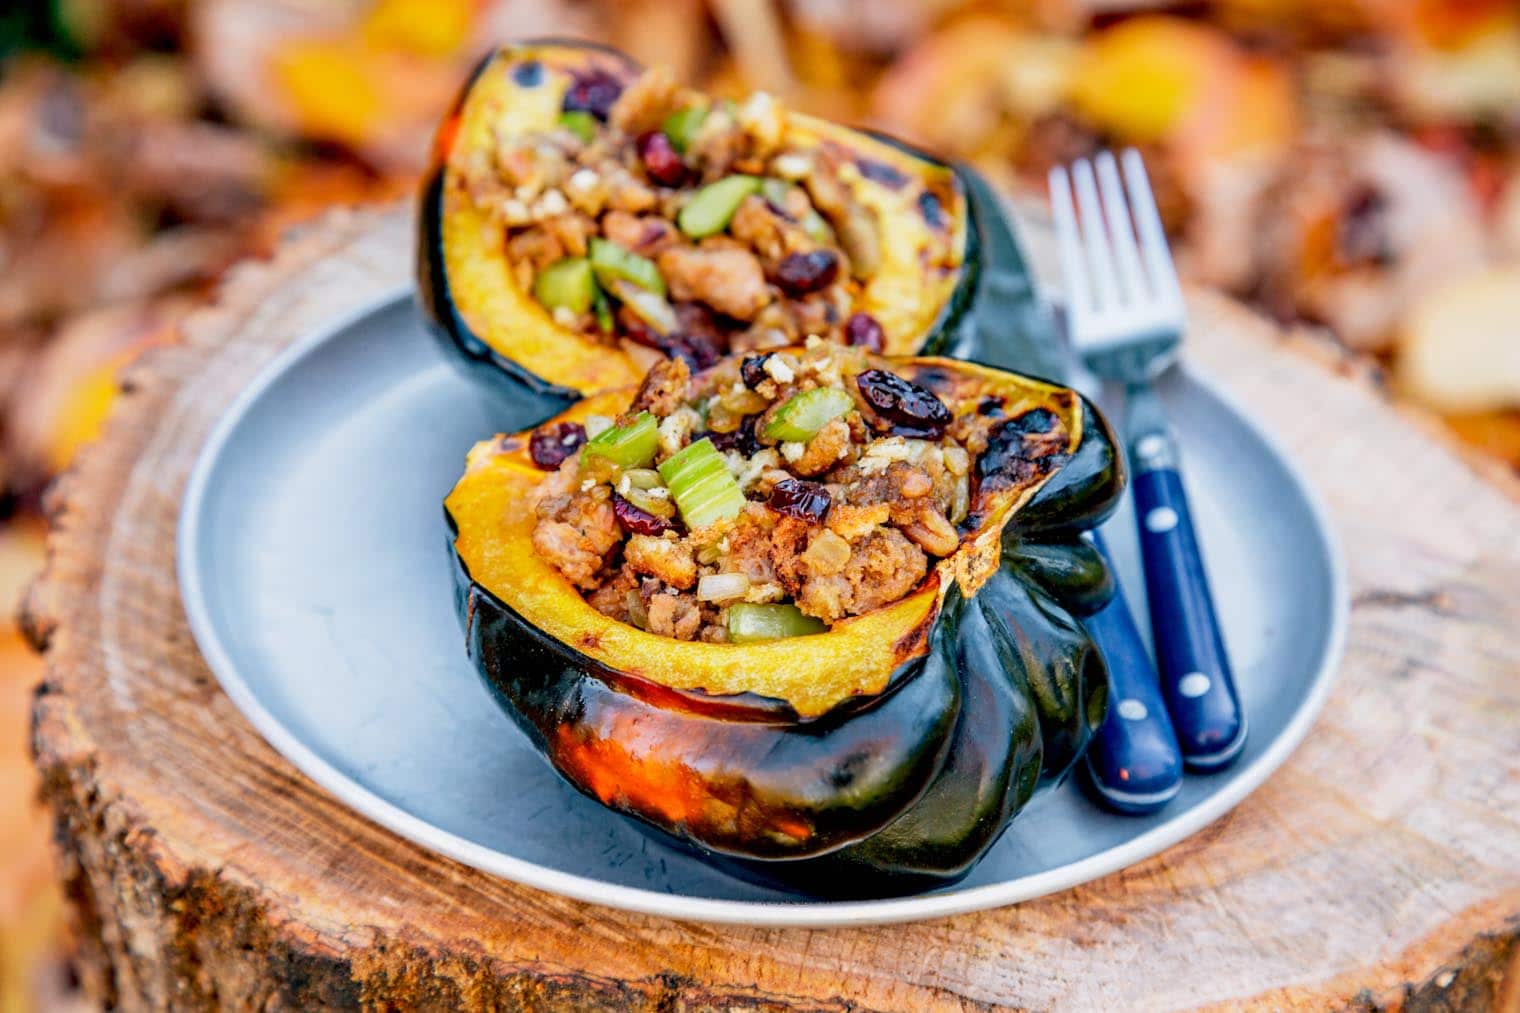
(313, 568)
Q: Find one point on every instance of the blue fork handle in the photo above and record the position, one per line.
(1190, 653)
(1133, 763)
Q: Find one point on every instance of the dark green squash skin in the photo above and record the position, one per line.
(901, 791)
(1004, 312)
(463, 347)
(1079, 496)
(1069, 566)
(1020, 729)
(846, 773)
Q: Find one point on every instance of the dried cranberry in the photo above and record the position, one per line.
(636, 521)
(551, 444)
(742, 439)
(907, 408)
(660, 158)
(593, 92)
(863, 330)
(801, 273)
(752, 370)
(697, 330)
(806, 501)
(697, 341)
(677, 347)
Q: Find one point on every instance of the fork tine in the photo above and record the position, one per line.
(1158, 258)
(1121, 233)
(1073, 271)
(1095, 237)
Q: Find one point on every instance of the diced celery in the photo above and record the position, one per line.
(692, 463)
(700, 483)
(566, 283)
(612, 262)
(602, 310)
(714, 499)
(681, 126)
(710, 208)
(748, 622)
(628, 446)
(580, 123)
(806, 412)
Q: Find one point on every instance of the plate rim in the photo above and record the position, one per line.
(777, 914)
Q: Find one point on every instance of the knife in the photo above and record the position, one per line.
(1134, 763)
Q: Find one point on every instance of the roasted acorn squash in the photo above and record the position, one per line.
(887, 753)
(490, 323)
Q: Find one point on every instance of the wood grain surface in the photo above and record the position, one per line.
(1379, 867)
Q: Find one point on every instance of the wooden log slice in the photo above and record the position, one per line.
(1380, 866)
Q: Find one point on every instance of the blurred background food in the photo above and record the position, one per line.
(1352, 166)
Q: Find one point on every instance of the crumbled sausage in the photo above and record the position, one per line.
(852, 521)
(573, 231)
(749, 546)
(825, 449)
(538, 247)
(645, 235)
(611, 599)
(645, 103)
(720, 273)
(902, 487)
(665, 558)
(719, 146)
(577, 552)
(672, 615)
(663, 388)
(883, 567)
(625, 193)
(759, 227)
(577, 529)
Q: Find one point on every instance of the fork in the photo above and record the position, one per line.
(1126, 317)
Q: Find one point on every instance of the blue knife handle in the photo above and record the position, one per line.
(1133, 763)
(1195, 670)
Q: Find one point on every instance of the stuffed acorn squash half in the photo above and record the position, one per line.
(809, 610)
(584, 219)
